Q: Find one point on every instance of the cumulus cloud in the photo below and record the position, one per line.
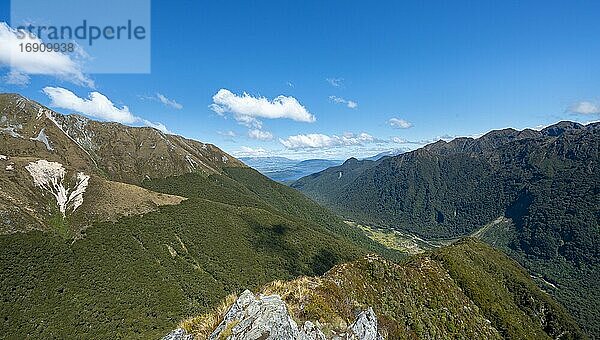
(335, 82)
(349, 103)
(585, 108)
(317, 140)
(96, 105)
(399, 123)
(247, 109)
(23, 64)
(250, 152)
(260, 134)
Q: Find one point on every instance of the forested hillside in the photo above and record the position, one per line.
(547, 182)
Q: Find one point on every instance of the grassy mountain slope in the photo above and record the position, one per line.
(247, 188)
(546, 182)
(466, 290)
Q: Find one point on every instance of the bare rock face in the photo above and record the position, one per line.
(365, 327)
(311, 332)
(267, 318)
(178, 334)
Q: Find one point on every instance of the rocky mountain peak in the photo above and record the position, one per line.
(561, 127)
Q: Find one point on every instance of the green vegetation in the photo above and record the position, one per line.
(59, 224)
(398, 240)
(466, 290)
(137, 277)
(505, 293)
(546, 182)
(248, 188)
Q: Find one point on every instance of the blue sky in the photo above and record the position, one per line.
(439, 69)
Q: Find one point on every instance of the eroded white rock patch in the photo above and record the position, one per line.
(42, 137)
(50, 176)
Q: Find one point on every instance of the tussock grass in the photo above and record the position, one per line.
(202, 326)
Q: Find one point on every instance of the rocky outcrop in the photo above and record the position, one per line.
(267, 318)
(178, 334)
(365, 327)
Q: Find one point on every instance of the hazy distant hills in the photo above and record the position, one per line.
(547, 182)
(286, 170)
(389, 153)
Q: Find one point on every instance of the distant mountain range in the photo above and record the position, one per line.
(546, 182)
(286, 170)
(389, 153)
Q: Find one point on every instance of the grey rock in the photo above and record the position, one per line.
(311, 332)
(365, 327)
(178, 334)
(267, 318)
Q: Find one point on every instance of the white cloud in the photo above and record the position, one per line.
(250, 152)
(247, 109)
(250, 122)
(399, 123)
(96, 106)
(317, 140)
(585, 108)
(227, 133)
(399, 140)
(159, 126)
(349, 103)
(23, 64)
(169, 102)
(16, 78)
(158, 97)
(260, 135)
(335, 82)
